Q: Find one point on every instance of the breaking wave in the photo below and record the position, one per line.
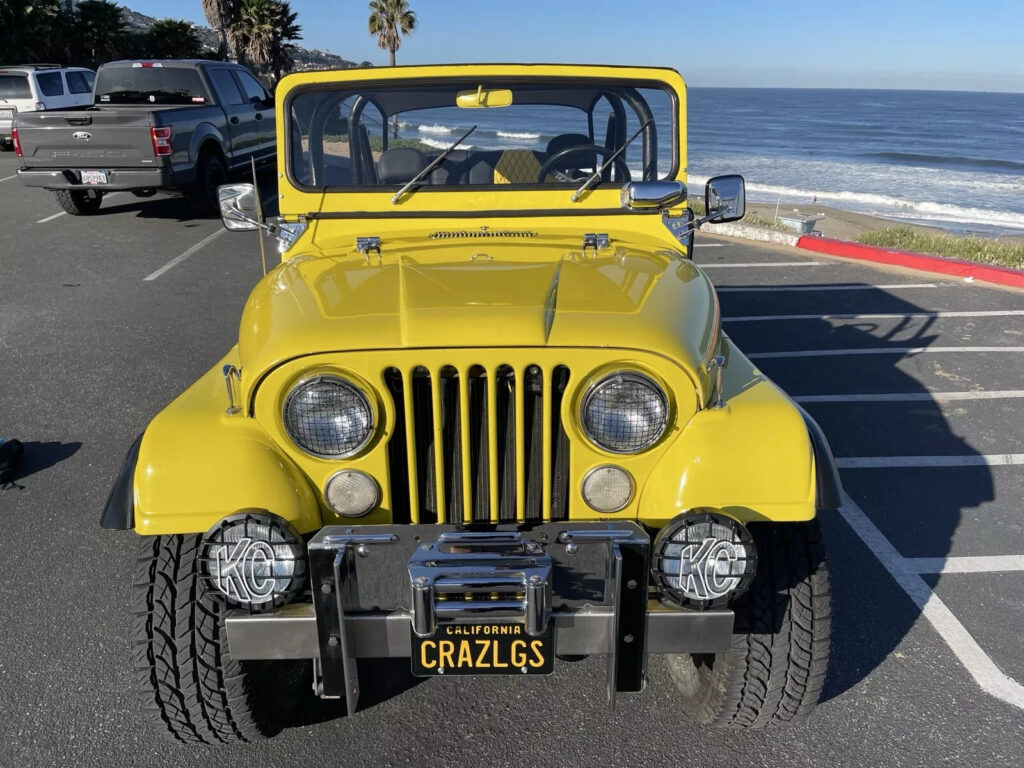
(518, 135)
(434, 128)
(438, 144)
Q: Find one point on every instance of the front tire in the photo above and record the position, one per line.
(189, 683)
(775, 669)
(79, 202)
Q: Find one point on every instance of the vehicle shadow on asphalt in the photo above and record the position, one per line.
(918, 509)
(43, 455)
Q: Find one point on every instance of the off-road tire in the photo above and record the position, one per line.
(189, 683)
(210, 174)
(775, 669)
(79, 202)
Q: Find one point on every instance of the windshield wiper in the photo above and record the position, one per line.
(416, 180)
(596, 175)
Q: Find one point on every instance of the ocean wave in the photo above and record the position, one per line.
(439, 144)
(947, 161)
(434, 129)
(517, 135)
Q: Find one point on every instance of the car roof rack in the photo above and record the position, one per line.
(31, 66)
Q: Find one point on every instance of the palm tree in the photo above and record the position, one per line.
(219, 13)
(172, 39)
(389, 20)
(261, 33)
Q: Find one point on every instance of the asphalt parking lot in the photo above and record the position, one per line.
(917, 381)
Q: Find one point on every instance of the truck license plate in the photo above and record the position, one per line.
(94, 177)
(6, 114)
(483, 649)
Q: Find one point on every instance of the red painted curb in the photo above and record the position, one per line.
(956, 267)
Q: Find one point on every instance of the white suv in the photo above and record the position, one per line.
(35, 87)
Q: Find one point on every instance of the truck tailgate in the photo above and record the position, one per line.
(95, 138)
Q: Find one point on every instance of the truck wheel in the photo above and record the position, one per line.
(210, 174)
(189, 683)
(79, 202)
(774, 671)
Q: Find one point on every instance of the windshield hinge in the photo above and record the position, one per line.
(367, 245)
(597, 241)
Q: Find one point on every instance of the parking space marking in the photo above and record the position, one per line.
(877, 351)
(816, 288)
(8, 178)
(884, 316)
(766, 264)
(916, 462)
(912, 397)
(51, 218)
(978, 663)
(178, 259)
(967, 564)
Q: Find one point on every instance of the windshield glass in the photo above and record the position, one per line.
(545, 134)
(14, 87)
(149, 85)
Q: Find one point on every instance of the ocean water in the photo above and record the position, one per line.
(949, 159)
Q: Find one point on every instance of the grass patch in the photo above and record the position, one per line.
(981, 249)
(755, 220)
(377, 143)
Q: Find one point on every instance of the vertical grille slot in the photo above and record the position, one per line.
(474, 445)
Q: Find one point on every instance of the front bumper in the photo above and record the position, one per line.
(117, 179)
(373, 587)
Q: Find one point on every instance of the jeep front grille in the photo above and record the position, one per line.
(473, 444)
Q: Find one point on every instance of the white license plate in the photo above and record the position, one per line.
(6, 114)
(94, 177)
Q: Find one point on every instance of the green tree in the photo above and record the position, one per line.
(220, 14)
(100, 31)
(389, 20)
(33, 30)
(172, 39)
(262, 32)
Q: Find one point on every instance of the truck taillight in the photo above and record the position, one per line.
(161, 141)
(17, 142)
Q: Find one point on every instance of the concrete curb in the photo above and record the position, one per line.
(922, 262)
(748, 232)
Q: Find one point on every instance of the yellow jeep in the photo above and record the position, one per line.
(482, 416)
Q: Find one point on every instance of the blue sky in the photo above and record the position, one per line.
(941, 44)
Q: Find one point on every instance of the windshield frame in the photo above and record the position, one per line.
(668, 133)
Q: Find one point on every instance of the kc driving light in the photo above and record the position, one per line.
(253, 560)
(703, 560)
(625, 413)
(328, 417)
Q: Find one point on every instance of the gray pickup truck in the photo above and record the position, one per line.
(172, 125)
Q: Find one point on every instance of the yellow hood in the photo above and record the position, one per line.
(530, 294)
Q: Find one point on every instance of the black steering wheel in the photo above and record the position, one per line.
(621, 170)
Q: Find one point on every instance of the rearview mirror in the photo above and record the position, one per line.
(238, 206)
(484, 97)
(725, 199)
(647, 195)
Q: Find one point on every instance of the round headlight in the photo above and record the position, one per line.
(607, 488)
(703, 559)
(328, 417)
(253, 560)
(625, 413)
(351, 493)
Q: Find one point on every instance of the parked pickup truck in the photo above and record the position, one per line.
(173, 125)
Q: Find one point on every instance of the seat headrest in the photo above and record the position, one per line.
(399, 165)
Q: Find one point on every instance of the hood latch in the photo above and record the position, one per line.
(597, 241)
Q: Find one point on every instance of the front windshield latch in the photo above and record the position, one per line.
(598, 241)
(367, 245)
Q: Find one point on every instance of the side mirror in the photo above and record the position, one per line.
(239, 208)
(648, 195)
(725, 199)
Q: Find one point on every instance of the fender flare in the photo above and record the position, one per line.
(200, 134)
(829, 488)
(119, 512)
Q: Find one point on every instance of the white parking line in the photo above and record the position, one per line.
(178, 259)
(8, 178)
(816, 288)
(944, 565)
(877, 351)
(895, 316)
(906, 462)
(696, 245)
(766, 264)
(978, 663)
(912, 397)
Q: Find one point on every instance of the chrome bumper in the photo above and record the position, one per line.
(373, 587)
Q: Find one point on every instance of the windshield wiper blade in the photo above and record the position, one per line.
(416, 180)
(596, 175)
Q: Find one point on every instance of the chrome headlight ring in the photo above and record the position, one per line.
(624, 412)
(329, 416)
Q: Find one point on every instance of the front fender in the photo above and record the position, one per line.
(753, 458)
(197, 464)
